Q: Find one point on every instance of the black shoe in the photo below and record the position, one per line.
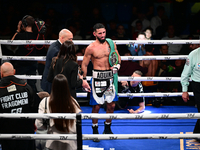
(95, 131)
(107, 129)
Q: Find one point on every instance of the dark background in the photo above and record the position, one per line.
(180, 12)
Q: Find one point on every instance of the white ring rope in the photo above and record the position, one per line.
(80, 58)
(29, 76)
(141, 116)
(39, 136)
(139, 136)
(154, 94)
(121, 78)
(103, 116)
(99, 136)
(166, 57)
(39, 116)
(124, 78)
(31, 58)
(87, 42)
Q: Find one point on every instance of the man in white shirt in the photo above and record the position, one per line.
(173, 48)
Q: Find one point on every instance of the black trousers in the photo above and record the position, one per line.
(196, 91)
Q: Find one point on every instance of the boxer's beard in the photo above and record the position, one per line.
(101, 41)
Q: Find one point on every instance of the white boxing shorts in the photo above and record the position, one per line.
(102, 87)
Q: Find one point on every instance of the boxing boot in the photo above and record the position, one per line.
(95, 131)
(107, 129)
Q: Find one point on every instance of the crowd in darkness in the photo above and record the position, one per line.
(123, 21)
(81, 17)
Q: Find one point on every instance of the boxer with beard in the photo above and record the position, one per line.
(103, 89)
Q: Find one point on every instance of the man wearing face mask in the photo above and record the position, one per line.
(131, 87)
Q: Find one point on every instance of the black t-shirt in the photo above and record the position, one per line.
(26, 50)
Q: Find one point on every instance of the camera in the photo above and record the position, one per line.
(40, 24)
(37, 24)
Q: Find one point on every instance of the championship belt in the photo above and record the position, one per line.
(113, 60)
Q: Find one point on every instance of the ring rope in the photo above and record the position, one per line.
(29, 76)
(121, 78)
(99, 136)
(31, 58)
(103, 116)
(39, 136)
(124, 78)
(87, 42)
(80, 58)
(139, 136)
(141, 116)
(154, 94)
(39, 116)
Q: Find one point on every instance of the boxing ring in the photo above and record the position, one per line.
(84, 116)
